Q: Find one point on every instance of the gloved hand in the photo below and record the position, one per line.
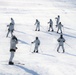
(16, 48)
(31, 42)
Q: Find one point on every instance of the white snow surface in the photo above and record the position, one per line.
(47, 61)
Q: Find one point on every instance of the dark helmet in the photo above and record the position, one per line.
(59, 22)
(11, 18)
(61, 36)
(36, 38)
(14, 37)
(36, 19)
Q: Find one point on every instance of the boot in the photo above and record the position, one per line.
(37, 51)
(52, 30)
(11, 63)
(58, 51)
(33, 51)
(63, 51)
(48, 30)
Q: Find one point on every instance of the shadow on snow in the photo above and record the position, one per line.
(70, 54)
(23, 42)
(47, 54)
(27, 70)
(23, 32)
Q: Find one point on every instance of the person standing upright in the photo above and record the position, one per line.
(37, 23)
(57, 20)
(59, 26)
(50, 25)
(37, 43)
(13, 48)
(10, 29)
(61, 41)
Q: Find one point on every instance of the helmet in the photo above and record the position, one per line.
(13, 37)
(61, 36)
(36, 38)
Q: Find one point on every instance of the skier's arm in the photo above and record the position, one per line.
(39, 43)
(33, 42)
(58, 40)
(35, 23)
(8, 25)
(48, 22)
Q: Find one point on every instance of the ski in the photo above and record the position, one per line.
(20, 63)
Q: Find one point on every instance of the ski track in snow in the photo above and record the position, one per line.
(47, 61)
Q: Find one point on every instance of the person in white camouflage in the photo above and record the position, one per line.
(50, 25)
(10, 29)
(37, 43)
(57, 20)
(61, 41)
(59, 26)
(13, 48)
(37, 23)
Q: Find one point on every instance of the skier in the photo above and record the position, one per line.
(59, 27)
(13, 48)
(50, 25)
(10, 29)
(61, 41)
(37, 23)
(57, 20)
(37, 43)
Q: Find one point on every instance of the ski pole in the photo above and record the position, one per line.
(69, 46)
(55, 47)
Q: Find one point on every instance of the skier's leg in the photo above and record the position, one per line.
(11, 33)
(36, 28)
(7, 33)
(58, 48)
(49, 28)
(39, 28)
(11, 58)
(34, 49)
(58, 30)
(52, 28)
(61, 30)
(37, 49)
(63, 49)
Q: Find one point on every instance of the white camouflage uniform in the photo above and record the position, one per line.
(57, 20)
(50, 25)
(61, 43)
(10, 29)
(13, 47)
(59, 27)
(37, 23)
(37, 43)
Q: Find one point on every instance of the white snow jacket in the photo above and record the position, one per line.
(37, 23)
(13, 43)
(51, 23)
(37, 42)
(61, 41)
(11, 27)
(59, 26)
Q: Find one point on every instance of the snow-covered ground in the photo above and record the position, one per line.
(47, 61)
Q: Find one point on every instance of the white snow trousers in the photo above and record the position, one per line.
(11, 56)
